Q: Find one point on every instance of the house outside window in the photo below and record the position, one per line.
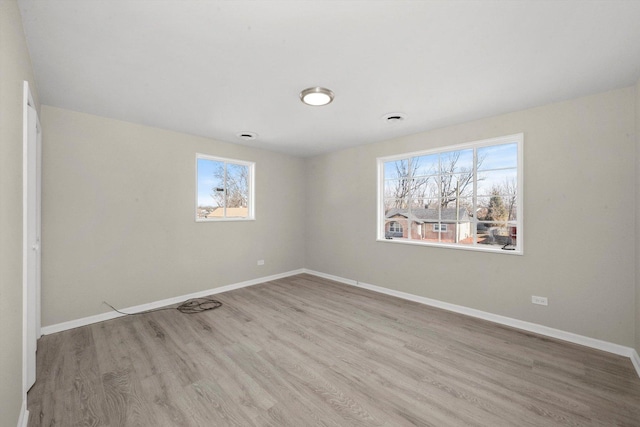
(224, 189)
(467, 196)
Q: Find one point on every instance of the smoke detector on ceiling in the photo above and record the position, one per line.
(394, 117)
(247, 136)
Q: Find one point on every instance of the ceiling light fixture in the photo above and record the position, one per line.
(316, 96)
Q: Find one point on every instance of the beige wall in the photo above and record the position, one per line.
(579, 209)
(15, 67)
(118, 216)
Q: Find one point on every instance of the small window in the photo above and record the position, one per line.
(439, 227)
(467, 196)
(224, 189)
(395, 227)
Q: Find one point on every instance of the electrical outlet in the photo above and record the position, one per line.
(539, 300)
(260, 262)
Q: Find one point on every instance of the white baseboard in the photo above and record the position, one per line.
(23, 419)
(503, 320)
(59, 327)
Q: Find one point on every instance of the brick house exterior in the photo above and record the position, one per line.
(428, 224)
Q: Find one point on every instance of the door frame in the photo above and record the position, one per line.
(27, 248)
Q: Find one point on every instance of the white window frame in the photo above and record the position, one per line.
(250, 183)
(519, 247)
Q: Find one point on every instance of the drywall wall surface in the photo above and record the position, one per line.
(16, 67)
(119, 216)
(578, 221)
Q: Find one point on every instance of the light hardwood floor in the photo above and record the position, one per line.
(305, 351)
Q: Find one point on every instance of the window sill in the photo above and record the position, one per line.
(494, 250)
(223, 219)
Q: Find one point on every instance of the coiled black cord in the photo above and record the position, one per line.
(191, 306)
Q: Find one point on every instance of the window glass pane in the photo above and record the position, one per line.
(495, 208)
(393, 215)
(210, 187)
(433, 187)
(497, 182)
(456, 220)
(513, 233)
(395, 228)
(237, 212)
(424, 203)
(460, 161)
(420, 186)
(498, 156)
(457, 209)
(390, 186)
(404, 188)
(425, 165)
(456, 185)
(237, 191)
(496, 234)
(426, 212)
(512, 207)
(418, 230)
(430, 202)
(396, 205)
(399, 188)
(423, 231)
(465, 233)
(447, 232)
(396, 169)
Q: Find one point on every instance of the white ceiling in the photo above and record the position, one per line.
(218, 68)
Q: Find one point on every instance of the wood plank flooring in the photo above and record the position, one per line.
(305, 351)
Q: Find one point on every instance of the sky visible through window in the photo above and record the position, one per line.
(207, 181)
(504, 156)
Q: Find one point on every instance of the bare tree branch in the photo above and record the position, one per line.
(235, 192)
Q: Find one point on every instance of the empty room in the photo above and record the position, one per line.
(319, 213)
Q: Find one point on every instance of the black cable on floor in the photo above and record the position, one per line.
(191, 306)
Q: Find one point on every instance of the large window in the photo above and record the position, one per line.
(465, 196)
(224, 189)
